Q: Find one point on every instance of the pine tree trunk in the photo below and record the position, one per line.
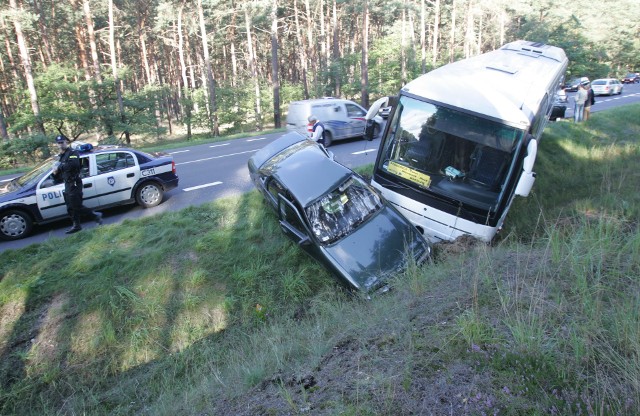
(28, 73)
(423, 38)
(82, 46)
(210, 80)
(274, 65)
(436, 34)
(142, 39)
(364, 67)
(336, 51)
(304, 61)
(403, 46)
(44, 33)
(3, 127)
(254, 69)
(7, 44)
(88, 17)
(311, 50)
(186, 96)
(114, 71)
(452, 38)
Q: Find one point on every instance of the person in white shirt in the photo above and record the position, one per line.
(317, 131)
(580, 99)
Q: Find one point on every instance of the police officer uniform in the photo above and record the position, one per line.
(68, 171)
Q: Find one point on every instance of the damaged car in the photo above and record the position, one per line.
(334, 215)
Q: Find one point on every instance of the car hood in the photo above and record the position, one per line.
(377, 249)
(8, 192)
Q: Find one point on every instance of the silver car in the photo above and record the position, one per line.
(606, 86)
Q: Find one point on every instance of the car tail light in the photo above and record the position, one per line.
(310, 128)
(173, 167)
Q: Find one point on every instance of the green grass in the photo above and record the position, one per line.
(211, 310)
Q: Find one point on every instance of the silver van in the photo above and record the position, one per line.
(342, 119)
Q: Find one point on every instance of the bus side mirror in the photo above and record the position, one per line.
(369, 130)
(528, 176)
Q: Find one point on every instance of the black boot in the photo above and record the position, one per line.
(98, 217)
(76, 227)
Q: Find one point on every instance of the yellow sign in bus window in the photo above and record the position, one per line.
(409, 174)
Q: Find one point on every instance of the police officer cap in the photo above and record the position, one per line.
(585, 83)
(312, 118)
(61, 138)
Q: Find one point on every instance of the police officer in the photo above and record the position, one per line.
(67, 169)
(317, 129)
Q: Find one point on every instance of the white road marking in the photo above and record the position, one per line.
(255, 140)
(178, 151)
(220, 145)
(206, 185)
(215, 157)
(364, 151)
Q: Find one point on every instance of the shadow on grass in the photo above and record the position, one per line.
(107, 301)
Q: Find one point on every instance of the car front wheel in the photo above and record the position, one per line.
(149, 194)
(328, 138)
(15, 224)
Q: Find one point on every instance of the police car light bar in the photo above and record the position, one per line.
(81, 146)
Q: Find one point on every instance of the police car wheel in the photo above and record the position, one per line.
(149, 194)
(14, 224)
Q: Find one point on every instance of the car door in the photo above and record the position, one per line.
(50, 194)
(357, 122)
(293, 227)
(116, 173)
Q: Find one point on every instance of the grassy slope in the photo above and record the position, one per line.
(211, 311)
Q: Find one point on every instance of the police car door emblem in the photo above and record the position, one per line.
(111, 180)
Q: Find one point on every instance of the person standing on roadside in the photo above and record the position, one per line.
(67, 170)
(317, 131)
(579, 99)
(590, 100)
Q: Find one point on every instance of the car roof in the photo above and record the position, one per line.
(105, 149)
(308, 174)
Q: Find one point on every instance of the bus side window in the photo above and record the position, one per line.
(539, 122)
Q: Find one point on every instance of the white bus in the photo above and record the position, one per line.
(461, 140)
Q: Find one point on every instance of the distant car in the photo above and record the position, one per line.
(631, 78)
(572, 85)
(110, 175)
(559, 105)
(342, 119)
(334, 215)
(606, 86)
(384, 112)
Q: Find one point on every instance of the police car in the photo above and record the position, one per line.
(111, 176)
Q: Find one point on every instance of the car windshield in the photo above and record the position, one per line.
(32, 177)
(341, 211)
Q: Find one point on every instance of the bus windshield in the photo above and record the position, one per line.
(448, 152)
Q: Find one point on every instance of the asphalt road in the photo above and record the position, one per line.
(211, 171)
